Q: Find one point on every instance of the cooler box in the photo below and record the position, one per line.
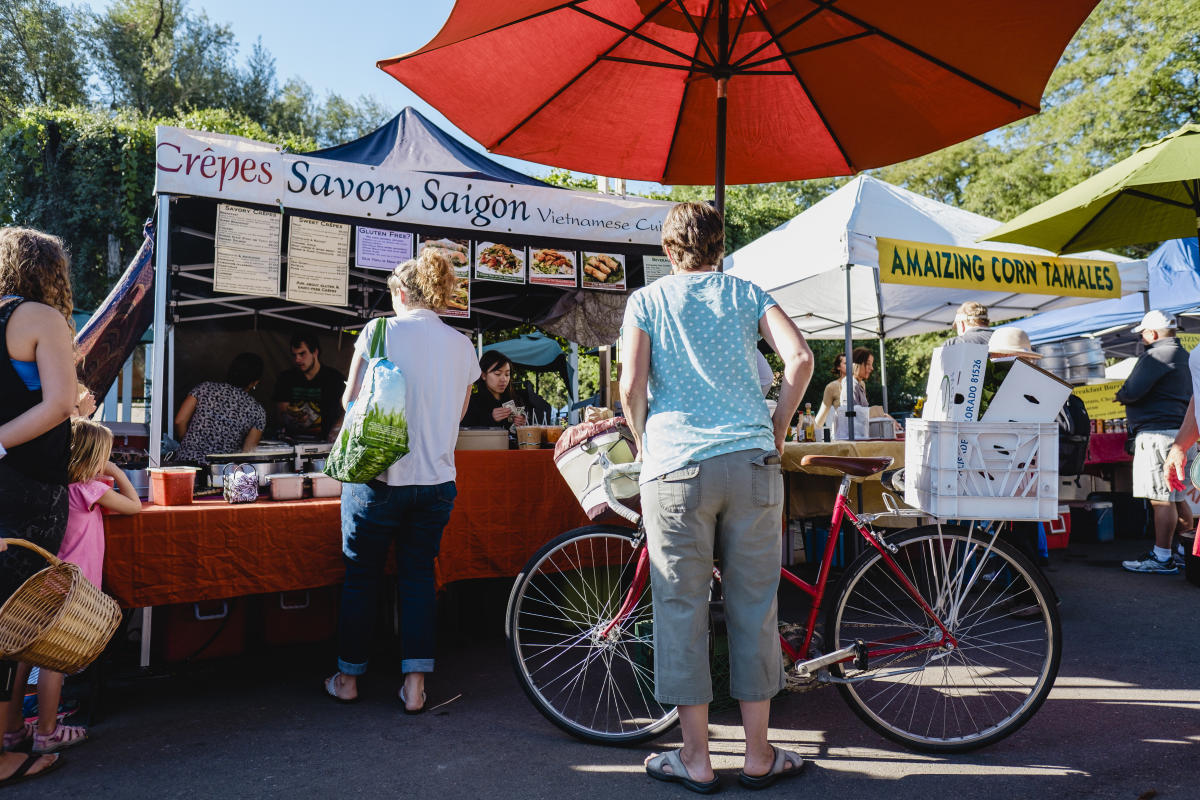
(303, 617)
(815, 537)
(577, 456)
(1058, 530)
(194, 631)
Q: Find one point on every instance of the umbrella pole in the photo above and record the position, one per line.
(722, 110)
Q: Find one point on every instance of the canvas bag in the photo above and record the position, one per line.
(375, 432)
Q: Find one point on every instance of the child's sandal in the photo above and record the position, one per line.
(64, 736)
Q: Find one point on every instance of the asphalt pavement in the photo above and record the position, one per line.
(1122, 721)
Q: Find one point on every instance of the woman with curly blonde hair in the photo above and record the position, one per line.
(37, 396)
(410, 502)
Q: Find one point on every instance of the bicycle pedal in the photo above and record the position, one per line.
(860, 655)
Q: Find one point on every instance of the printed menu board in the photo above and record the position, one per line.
(604, 271)
(246, 252)
(380, 248)
(549, 266)
(655, 267)
(318, 261)
(499, 262)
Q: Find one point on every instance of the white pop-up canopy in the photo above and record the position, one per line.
(803, 264)
(874, 260)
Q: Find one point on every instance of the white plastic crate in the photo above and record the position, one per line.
(982, 470)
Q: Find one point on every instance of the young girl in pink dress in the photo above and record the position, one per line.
(83, 544)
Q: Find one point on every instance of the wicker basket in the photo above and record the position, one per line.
(57, 619)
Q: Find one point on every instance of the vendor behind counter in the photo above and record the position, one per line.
(221, 416)
(486, 408)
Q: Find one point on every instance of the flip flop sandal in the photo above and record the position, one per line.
(678, 773)
(777, 771)
(412, 711)
(22, 772)
(331, 690)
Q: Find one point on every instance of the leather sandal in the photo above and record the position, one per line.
(22, 772)
(678, 773)
(412, 711)
(779, 769)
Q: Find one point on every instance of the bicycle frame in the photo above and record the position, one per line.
(841, 511)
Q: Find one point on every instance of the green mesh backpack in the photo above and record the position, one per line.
(375, 432)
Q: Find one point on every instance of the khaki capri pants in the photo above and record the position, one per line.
(727, 508)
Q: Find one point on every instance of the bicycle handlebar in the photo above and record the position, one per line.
(612, 471)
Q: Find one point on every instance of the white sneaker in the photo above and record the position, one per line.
(1148, 562)
(1179, 557)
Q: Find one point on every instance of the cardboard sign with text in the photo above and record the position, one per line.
(955, 383)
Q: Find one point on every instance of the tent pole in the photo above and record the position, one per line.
(848, 392)
(171, 369)
(479, 344)
(159, 349)
(573, 389)
(882, 361)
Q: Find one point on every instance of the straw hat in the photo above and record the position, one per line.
(1011, 342)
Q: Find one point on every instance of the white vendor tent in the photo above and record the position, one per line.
(826, 259)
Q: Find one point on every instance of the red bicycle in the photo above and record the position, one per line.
(943, 638)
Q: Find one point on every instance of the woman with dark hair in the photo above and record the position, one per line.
(222, 417)
(832, 396)
(492, 390)
(37, 396)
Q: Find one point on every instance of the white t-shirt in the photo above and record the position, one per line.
(439, 365)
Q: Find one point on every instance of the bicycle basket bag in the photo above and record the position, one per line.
(577, 457)
(375, 432)
(1074, 432)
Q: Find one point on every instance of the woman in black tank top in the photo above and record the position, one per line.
(35, 432)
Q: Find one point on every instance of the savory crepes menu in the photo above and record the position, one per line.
(318, 261)
(246, 252)
(499, 262)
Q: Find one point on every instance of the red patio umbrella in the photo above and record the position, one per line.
(764, 90)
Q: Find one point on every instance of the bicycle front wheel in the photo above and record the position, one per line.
(594, 683)
(991, 599)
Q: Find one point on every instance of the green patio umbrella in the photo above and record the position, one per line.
(1151, 196)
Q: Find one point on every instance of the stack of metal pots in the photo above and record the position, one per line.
(1076, 361)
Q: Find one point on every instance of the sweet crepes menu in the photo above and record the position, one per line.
(318, 261)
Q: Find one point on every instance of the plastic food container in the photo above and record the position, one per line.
(323, 485)
(529, 437)
(172, 486)
(482, 439)
(286, 486)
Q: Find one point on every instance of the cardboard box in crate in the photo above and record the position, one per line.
(982, 470)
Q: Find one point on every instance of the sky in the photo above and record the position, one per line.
(333, 47)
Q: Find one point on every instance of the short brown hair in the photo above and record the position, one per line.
(91, 448)
(971, 311)
(693, 234)
(427, 279)
(860, 355)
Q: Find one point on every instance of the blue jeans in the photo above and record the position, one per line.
(373, 516)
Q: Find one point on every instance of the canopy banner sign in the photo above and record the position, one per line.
(1188, 341)
(236, 169)
(1100, 400)
(921, 264)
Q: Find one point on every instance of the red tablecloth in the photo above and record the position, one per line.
(509, 503)
(1107, 448)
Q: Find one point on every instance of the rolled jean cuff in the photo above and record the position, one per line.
(346, 668)
(684, 700)
(408, 665)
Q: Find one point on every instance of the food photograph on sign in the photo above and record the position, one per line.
(604, 271)
(499, 262)
(550, 266)
(459, 305)
(457, 250)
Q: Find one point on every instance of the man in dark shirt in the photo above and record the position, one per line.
(308, 398)
(1156, 396)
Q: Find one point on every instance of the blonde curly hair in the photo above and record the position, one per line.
(428, 279)
(35, 265)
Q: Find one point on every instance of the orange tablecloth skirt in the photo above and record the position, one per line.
(509, 504)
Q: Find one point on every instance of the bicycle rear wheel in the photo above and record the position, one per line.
(598, 687)
(989, 597)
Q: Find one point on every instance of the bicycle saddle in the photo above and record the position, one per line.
(858, 467)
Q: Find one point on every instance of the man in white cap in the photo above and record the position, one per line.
(1156, 396)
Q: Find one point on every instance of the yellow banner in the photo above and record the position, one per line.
(921, 264)
(1100, 400)
(1188, 341)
